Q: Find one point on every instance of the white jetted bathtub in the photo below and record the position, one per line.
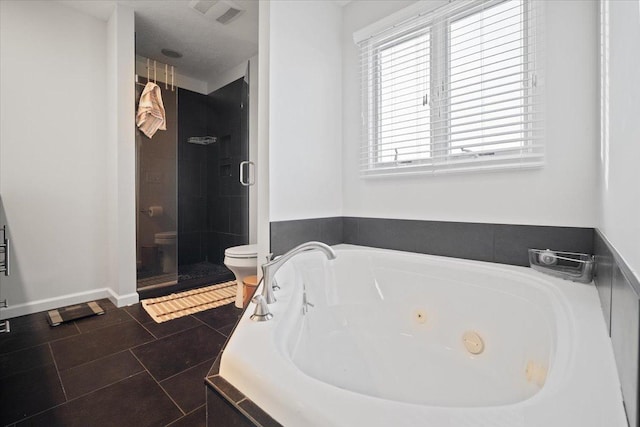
(401, 339)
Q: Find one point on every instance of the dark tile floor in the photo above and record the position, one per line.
(118, 369)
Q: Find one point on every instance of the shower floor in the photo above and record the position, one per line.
(185, 272)
(200, 270)
(189, 276)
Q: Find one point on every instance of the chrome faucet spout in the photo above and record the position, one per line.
(270, 269)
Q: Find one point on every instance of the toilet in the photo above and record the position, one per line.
(167, 242)
(243, 262)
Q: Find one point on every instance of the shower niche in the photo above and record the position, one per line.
(191, 171)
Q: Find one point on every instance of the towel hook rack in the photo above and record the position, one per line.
(169, 72)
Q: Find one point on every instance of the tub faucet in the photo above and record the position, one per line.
(274, 284)
(269, 269)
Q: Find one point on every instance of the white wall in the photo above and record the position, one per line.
(562, 193)
(53, 144)
(620, 145)
(262, 138)
(305, 106)
(121, 178)
(254, 89)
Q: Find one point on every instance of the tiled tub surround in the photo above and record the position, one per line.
(288, 234)
(227, 406)
(274, 380)
(619, 291)
(501, 243)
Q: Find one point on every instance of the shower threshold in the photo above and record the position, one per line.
(190, 276)
(157, 281)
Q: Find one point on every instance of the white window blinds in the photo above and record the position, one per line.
(454, 89)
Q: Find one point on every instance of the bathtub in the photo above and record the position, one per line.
(396, 338)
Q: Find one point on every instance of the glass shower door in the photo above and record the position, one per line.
(156, 198)
(229, 203)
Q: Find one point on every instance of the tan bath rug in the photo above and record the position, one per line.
(184, 303)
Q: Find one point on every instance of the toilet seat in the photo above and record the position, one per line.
(165, 238)
(242, 252)
(167, 241)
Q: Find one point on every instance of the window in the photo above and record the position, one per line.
(452, 90)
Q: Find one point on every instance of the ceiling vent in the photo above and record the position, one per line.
(231, 13)
(202, 6)
(223, 11)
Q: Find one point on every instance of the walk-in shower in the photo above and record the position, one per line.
(191, 205)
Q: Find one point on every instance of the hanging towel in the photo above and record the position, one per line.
(151, 115)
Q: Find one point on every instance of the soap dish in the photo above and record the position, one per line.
(573, 266)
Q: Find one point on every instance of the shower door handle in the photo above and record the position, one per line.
(4, 250)
(250, 176)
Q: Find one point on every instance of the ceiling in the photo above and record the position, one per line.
(208, 47)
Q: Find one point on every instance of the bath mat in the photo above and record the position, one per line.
(184, 303)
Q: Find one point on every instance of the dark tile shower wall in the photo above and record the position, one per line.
(213, 206)
(195, 115)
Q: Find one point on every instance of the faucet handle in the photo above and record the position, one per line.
(262, 309)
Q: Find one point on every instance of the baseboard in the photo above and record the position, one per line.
(123, 300)
(15, 310)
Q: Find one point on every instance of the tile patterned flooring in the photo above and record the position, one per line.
(118, 369)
